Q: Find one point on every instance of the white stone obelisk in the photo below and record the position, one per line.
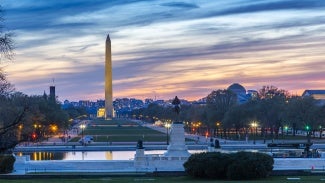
(108, 81)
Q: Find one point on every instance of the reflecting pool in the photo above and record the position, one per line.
(90, 155)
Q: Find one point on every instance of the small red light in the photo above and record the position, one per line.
(34, 135)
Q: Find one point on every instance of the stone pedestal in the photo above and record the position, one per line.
(140, 160)
(177, 146)
(139, 153)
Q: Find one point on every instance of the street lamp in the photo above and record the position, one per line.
(320, 131)
(286, 129)
(54, 128)
(254, 125)
(167, 125)
(20, 127)
(217, 124)
(308, 133)
(82, 126)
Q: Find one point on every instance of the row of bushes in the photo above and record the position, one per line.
(234, 166)
(6, 163)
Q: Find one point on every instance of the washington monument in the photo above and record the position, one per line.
(108, 80)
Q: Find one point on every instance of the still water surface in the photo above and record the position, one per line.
(90, 155)
(129, 155)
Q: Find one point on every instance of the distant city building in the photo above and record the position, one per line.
(124, 106)
(253, 94)
(52, 93)
(316, 94)
(201, 101)
(101, 113)
(237, 89)
(240, 92)
(100, 103)
(75, 104)
(66, 102)
(160, 102)
(148, 101)
(185, 102)
(84, 103)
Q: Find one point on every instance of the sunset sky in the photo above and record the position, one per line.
(165, 48)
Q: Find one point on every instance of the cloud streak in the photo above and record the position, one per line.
(165, 47)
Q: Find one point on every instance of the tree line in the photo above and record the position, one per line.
(273, 110)
(31, 118)
(23, 117)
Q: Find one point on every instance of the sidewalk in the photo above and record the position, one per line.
(200, 139)
(63, 139)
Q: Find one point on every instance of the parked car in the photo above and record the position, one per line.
(86, 140)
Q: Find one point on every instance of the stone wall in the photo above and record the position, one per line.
(146, 163)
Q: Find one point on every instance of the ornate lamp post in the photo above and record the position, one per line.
(82, 126)
(167, 127)
(218, 125)
(286, 129)
(308, 133)
(254, 125)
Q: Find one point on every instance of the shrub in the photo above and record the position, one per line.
(195, 165)
(7, 163)
(241, 165)
(250, 165)
(208, 165)
(216, 166)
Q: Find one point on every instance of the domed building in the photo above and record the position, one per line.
(237, 89)
(240, 91)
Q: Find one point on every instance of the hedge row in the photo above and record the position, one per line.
(234, 166)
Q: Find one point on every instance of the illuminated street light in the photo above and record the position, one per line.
(218, 125)
(286, 129)
(54, 128)
(167, 125)
(82, 126)
(20, 127)
(254, 125)
(308, 133)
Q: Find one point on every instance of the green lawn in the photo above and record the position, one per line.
(100, 130)
(113, 122)
(270, 137)
(277, 179)
(120, 131)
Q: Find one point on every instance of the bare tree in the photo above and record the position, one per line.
(271, 91)
(6, 51)
(8, 135)
(219, 102)
(9, 120)
(5, 86)
(6, 42)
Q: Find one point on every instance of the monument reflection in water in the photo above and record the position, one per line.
(78, 155)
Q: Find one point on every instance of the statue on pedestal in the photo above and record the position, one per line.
(140, 144)
(177, 147)
(177, 105)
